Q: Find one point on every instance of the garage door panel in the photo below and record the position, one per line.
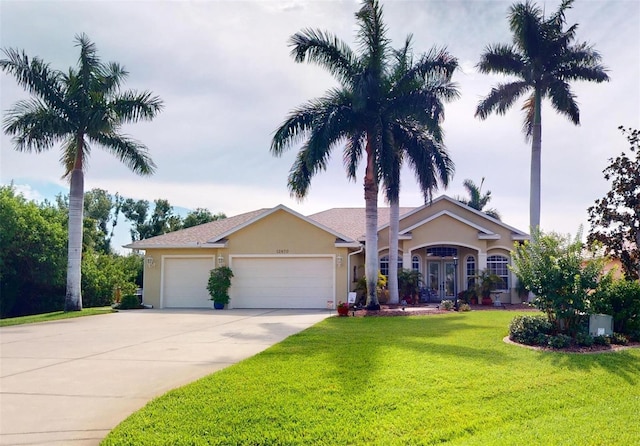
(185, 282)
(282, 282)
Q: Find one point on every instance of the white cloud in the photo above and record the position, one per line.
(224, 71)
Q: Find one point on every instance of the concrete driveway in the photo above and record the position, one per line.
(72, 381)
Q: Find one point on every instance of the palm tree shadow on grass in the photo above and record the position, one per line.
(352, 349)
(622, 363)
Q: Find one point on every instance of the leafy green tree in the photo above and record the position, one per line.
(615, 218)
(78, 108)
(103, 274)
(101, 211)
(201, 216)
(353, 114)
(145, 224)
(621, 300)
(32, 255)
(412, 132)
(477, 200)
(554, 268)
(544, 58)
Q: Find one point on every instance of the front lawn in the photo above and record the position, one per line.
(402, 381)
(56, 315)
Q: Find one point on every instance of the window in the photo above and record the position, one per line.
(415, 263)
(498, 265)
(384, 265)
(355, 273)
(442, 251)
(471, 272)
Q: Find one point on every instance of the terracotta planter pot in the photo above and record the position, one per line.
(486, 301)
(343, 311)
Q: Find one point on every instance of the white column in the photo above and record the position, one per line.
(482, 260)
(406, 260)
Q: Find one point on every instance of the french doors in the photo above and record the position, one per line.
(441, 279)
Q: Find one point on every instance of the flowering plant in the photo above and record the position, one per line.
(343, 305)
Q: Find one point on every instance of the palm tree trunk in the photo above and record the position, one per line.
(371, 237)
(73, 297)
(394, 223)
(536, 165)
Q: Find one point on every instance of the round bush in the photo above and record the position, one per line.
(446, 305)
(559, 341)
(129, 302)
(530, 330)
(583, 338)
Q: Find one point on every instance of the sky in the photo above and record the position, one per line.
(224, 72)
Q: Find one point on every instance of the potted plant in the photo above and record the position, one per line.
(218, 286)
(343, 309)
(383, 293)
(487, 282)
(409, 284)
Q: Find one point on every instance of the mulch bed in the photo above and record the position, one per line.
(413, 310)
(577, 348)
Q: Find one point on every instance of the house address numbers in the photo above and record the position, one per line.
(282, 251)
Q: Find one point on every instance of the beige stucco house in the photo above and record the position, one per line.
(282, 259)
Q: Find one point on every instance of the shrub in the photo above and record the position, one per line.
(464, 307)
(102, 274)
(129, 302)
(601, 340)
(584, 338)
(530, 330)
(634, 336)
(621, 300)
(554, 268)
(446, 305)
(559, 341)
(618, 339)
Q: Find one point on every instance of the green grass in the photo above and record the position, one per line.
(57, 315)
(402, 381)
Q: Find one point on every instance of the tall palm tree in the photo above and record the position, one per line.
(545, 59)
(477, 200)
(77, 108)
(413, 132)
(350, 113)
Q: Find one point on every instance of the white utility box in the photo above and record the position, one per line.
(600, 325)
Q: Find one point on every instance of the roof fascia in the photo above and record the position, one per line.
(273, 210)
(455, 217)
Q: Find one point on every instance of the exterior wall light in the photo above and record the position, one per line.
(149, 262)
(220, 261)
(339, 260)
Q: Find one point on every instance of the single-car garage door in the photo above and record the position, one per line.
(282, 282)
(185, 282)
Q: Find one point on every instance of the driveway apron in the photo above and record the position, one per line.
(70, 382)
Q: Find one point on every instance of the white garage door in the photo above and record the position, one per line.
(282, 282)
(185, 282)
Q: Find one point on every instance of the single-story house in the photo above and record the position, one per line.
(282, 259)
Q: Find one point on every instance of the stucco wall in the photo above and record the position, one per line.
(280, 233)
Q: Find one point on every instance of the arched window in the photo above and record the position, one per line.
(384, 265)
(471, 272)
(498, 265)
(415, 263)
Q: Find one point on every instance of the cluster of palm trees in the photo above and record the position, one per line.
(389, 106)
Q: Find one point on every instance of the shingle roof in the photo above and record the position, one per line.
(351, 221)
(196, 234)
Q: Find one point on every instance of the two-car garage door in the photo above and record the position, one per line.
(258, 282)
(282, 282)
